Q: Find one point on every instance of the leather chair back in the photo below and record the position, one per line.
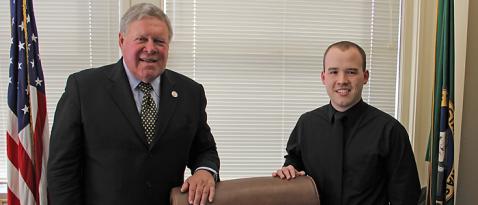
(259, 191)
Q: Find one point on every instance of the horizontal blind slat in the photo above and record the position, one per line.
(260, 63)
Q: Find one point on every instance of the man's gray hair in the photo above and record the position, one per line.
(141, 10)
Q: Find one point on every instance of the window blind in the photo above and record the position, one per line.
(260, 64)
(73, 35)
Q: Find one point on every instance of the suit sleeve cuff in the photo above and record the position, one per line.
(212, 171)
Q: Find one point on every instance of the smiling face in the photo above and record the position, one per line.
(145, 47)
(344, 77)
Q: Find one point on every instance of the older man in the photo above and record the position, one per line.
(124, 133)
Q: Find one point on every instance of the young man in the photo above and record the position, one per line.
(356, 153)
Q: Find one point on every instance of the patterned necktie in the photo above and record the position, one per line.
(148, 111)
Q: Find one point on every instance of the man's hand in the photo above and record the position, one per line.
(201, 187)
(288, 172)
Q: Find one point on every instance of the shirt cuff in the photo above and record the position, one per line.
(212, 171)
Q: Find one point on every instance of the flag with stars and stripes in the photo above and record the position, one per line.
(27, 131)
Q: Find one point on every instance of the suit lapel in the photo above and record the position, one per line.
(169, 97)
(120, 91)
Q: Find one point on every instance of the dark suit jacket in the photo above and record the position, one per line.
(98, 149)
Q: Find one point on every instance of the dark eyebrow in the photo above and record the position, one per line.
(351, 69)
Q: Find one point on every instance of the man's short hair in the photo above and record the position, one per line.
(141, 10)
(345, 45)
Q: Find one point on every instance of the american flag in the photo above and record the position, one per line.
(27, 131)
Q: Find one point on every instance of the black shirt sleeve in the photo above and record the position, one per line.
(293, 149)
(403, 181)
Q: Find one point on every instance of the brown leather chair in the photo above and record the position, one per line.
(259, 191)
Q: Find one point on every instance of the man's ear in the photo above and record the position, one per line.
(322, 77)
(120, 39)
(366, 76)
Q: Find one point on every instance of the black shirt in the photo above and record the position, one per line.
(372, 163)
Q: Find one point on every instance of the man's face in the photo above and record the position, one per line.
(145, 47)
(344, 77)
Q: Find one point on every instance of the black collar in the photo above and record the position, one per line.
(352, 113)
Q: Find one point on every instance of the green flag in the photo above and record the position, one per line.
(440, 145)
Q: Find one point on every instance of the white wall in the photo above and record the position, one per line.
(418, 61)
(467, 182)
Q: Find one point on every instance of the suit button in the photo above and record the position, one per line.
(149, 185)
